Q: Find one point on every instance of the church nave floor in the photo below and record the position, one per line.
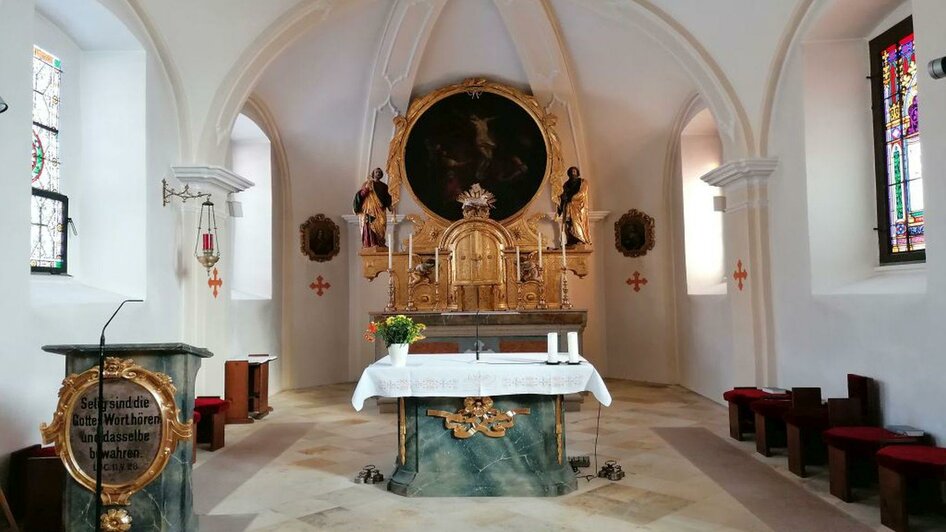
(293, 472)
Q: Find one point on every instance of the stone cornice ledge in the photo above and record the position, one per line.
(353, 218)
(735, 171)
(215, 176)
(594, 216)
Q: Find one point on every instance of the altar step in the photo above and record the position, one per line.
(573, 401)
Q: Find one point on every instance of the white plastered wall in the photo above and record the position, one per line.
(30, 379)
(893, 333)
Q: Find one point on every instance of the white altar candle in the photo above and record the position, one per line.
(437, 265)
(391, 251)
(518, 269)
(553, 347)
(540, 249)
(410, 252)
(573, 347)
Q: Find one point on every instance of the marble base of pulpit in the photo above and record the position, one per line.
(529, 460)
(166, 503)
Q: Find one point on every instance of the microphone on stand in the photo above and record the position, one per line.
(99, 430)
(477, 345)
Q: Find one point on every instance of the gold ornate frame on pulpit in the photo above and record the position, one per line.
(159, 388)
(554, 167)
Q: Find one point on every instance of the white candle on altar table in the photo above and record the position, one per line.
(437, 265)
(573, 347)
(553, 347)
(518, 270)
(410, 252)
(391, 251)
(540, 249)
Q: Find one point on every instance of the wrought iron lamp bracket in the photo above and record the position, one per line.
(167, 192)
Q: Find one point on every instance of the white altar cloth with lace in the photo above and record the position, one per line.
(460, 375)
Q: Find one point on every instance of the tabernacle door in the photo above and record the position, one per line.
(479, 259)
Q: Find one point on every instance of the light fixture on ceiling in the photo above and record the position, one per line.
(3, 105)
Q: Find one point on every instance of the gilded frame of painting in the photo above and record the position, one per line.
(173, 430)
(634, 219)
(554, 165)
(309, 228)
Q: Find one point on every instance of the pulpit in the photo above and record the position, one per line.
(149, 408)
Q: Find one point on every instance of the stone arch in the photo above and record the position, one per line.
(140, 25)
(283, 232)
(735, 128)
(718, 92)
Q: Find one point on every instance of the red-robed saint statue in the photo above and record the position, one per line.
(372, 201)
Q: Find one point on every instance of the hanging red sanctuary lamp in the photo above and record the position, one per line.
(207, 247)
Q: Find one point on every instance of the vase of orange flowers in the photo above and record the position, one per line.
(398, 333)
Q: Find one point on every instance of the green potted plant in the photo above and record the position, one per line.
(398, 333)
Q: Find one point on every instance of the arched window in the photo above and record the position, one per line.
(89, 137)
(700, 152)
(251, 157)
(49, 210)
(897, 145)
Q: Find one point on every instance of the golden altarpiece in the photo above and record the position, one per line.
(492, 151)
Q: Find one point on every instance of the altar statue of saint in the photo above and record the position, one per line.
(372, 201)
(573, 208)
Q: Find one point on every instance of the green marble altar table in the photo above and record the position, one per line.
(493, 427)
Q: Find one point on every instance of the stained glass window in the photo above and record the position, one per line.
(897, 141)
(49, 208)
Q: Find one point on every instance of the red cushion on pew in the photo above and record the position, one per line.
(867, 440)
(44, 452)
(745, 396)
(196, 417)
(208, 406)
(771, 407)
(914, 460)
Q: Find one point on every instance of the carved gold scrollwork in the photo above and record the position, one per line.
(172, 430)
(478, 416)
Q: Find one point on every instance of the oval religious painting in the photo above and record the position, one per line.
(464, 139)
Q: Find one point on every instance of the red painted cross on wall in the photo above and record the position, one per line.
(215, 283)
(320, 286)
(740, 274)
(637, 281)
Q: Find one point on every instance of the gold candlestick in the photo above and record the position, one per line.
(411, 307)
(436, 296)
(566, 304)
(519, 299)
(391, 307)
(542, 304)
